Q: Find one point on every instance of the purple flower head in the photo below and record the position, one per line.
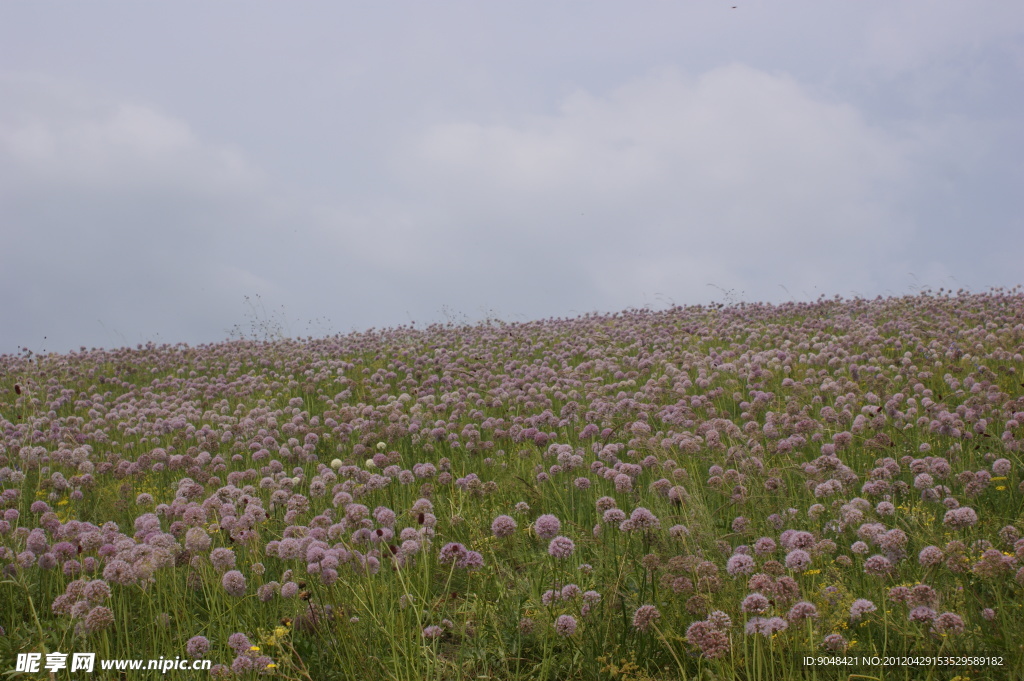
(613, 515)
(834, 642)
(451, 553)
(948, 623)
(503, 526)
(645, 616)
(119, 572)
(766, 626)
(861, 607)
(565, 625)
(561, 547)
(739, 564)
(243, 664)
(642, 519)
(959, 518)
(899, 594)
(197, 646)
(570, 591)
(877, 565)
(239, 642)
(713, 641)
(755, 603)
(547, 526)
(222, 559)
(99, 618)
(234, 583)
(930, 556)
(96, 591)
(472, 560)
(801, 611)
(922, 613)
(798, 560)
(197, 540)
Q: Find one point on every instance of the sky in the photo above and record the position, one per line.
(194, 171)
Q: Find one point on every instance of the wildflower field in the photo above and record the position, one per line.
(711, 492)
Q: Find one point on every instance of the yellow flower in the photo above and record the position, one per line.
(812, 572)
(1001, 488)
(254, 649)
(271, 666)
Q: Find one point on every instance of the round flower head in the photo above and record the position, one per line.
(755, 603)
(243, 664)
(472, 560)
(899, 594)
(930, 556)
(645, 616)
(565, 625)
(720, 620)
(197, 540)
(922, 613)
(801, 611)
(861, 607)
(798, 560)
(561, 547)
(739, 564)
(197, 646)
(877, 565)
(642, 519)
(451, 552)
(234, 583)
(222, 559)
(503, 526)
(834, 642)
(712, 641)
(99, 618)
(96, 591)
(570, 591)
(239, 642)
(613, 515)
(764, 546)
(959, 518)
(547, 526)
(948, 623)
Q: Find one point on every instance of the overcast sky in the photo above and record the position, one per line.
(349, 165)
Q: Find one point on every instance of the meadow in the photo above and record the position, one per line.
(701, 493)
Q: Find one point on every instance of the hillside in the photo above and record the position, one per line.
(709, 492)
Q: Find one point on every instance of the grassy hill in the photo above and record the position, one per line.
(696, 493)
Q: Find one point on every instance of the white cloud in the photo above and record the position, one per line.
(113, 147)
(117, 216)
(737, 177)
